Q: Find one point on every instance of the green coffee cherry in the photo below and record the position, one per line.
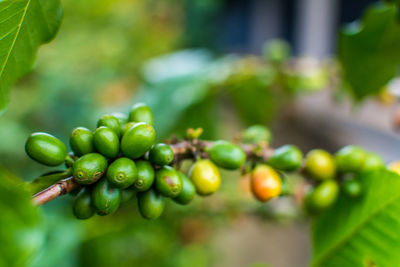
(81, 141)
(227, 155)
(126, 127)
(127, 194)
(141, 113)
(161, 154)
(105, 198)
(122, 173)
(151, 204)
(286, 158)
(205, 176)
(323, 196)
(145, 176)
(89, 168)
(188, 190)
(350, 159)
(46, 149)
(320, 165)
(373, 162)
(285, 187)
(82, 207)
(122, 118)
(138, 140)
(256, 134)
(168, 182)
(106, 142)
(352, 187)
(110, 122)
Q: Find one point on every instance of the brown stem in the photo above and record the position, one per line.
(58, 189)
(182, 150)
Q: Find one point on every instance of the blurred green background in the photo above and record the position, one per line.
(169, 54)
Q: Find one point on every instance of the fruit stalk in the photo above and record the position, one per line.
(58, 189)
(185, 149)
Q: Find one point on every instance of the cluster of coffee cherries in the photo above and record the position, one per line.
(326, 174)
(341, 171)
(120, 159)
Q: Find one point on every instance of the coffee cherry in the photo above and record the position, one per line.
(82, 206)
(138, 140)
(127, 194)
(350, 159)
(323, 196)
(285, 188)
(352, 187)
(105, 198)
(81, 141)
(141, 113)
(161, 154)
(320, 165)
(286, 158)
(122, 173)
(188, 190)
(106, 142)
(168, 182)
(372, 162)
(256, 134)
(151, 204)
(145, 176)
(265, 183)
(227, 155)
(110, 122)
(205, 177)
(46, 149)
(126, 127)
(122, 118)
(89, 168)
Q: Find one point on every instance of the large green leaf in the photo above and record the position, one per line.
(361, 232)
(21, 232)
(369, 51)
(24, 26)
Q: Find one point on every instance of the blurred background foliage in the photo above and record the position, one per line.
(104, 59)
(168, 55)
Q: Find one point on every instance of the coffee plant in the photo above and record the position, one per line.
(352, 197)
(120, 160)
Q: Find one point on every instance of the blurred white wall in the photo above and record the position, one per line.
(315, 28)
(266, 22)
(311, 25)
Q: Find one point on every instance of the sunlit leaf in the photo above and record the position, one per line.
(25, 25)
(361, 232)
(369, 51)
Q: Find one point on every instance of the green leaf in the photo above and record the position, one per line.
(21, 233)
(25, 25)
(177, 82)
(42, 182)
(254, 99)
(369, 51)
(361, 232)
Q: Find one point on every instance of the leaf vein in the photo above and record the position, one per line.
(15, 38)
(334, 248)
